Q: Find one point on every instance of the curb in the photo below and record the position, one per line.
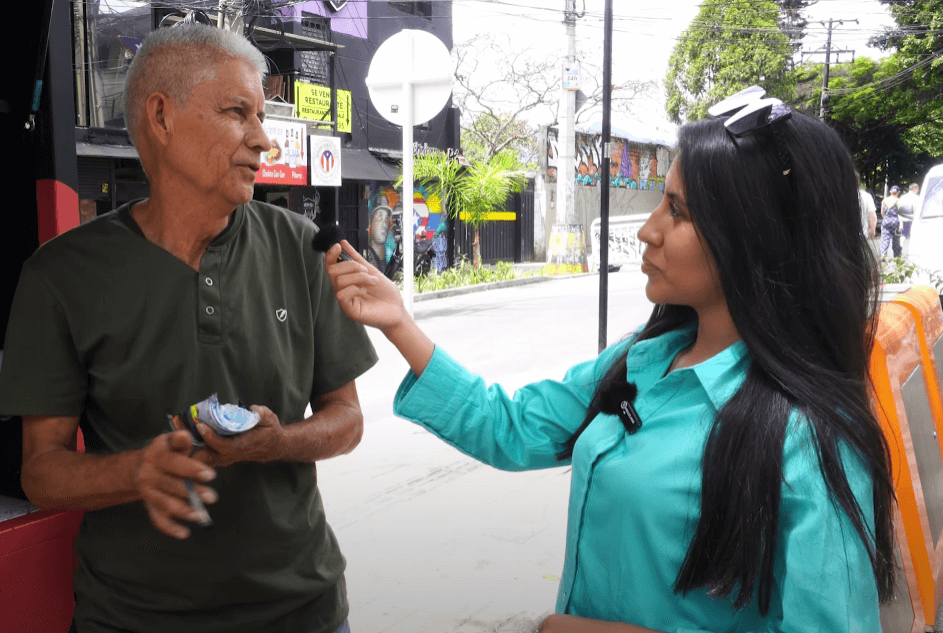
(464, 290)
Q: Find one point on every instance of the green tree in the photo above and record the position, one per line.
(889, 111)
(730, 45)
(490, 133)
(471, 193)
(791, 20)
(918, 65)
(864, 115)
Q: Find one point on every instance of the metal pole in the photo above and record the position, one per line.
(407, 222)
(333, 89)
(828, 54)
(604, 180)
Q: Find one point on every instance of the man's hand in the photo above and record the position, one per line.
(159, 480)
(262, 443)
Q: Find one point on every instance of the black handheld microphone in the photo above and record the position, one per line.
(328, 237)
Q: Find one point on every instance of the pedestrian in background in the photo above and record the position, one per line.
(890, 223)
(869, 218)
(907, 206)
(728, 472)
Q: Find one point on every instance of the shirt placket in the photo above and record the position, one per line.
(209, 304)
(582, 477)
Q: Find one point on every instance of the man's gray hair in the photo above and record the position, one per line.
(175, 60)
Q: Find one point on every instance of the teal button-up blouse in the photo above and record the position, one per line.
(635, 499)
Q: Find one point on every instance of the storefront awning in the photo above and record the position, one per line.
(359, 164)
(105, 151)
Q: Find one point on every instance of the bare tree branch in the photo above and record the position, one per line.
(501, 90)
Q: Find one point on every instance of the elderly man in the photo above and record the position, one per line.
(156, 306)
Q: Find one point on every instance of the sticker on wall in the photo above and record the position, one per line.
(325, 161)
(285, 163)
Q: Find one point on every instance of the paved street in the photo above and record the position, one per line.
(435, 541)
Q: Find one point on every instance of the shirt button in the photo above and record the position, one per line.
(209, 282)
(210, 310)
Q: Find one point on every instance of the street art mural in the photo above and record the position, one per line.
(552, 155)
(661, 155)
(385, 223)
(632, 165)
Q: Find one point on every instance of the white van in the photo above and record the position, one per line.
(926, 233)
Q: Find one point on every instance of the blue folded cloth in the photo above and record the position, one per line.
(225, 419)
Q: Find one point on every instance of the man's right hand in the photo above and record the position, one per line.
(159, 480)
(56, 477)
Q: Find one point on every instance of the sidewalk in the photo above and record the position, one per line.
(528, 273)
(435, 541)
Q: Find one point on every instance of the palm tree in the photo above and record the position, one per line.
(470, 194)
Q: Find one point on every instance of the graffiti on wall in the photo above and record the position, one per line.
(624, 244)
(552, 155)
(631, 165)
(385, 222)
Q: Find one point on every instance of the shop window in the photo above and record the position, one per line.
(105, 35)
(423, 9)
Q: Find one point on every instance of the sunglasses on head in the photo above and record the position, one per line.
(749, 112)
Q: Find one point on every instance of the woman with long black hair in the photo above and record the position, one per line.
(728, 471)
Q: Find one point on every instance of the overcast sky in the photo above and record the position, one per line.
(644, 35)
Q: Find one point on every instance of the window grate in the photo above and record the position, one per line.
(315, 65)
(422, 9)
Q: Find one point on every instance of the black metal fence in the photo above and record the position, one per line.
(501, 240)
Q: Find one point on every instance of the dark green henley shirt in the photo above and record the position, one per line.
(112, 328)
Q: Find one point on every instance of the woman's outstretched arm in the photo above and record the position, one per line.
(367, 296)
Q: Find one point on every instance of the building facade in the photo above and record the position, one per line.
(319, 53)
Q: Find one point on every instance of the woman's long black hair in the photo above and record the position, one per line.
(800, 281)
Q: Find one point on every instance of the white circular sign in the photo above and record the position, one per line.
(325, 161)
(413, 58)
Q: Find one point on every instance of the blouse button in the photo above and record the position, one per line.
(209, 282)
(210, 310)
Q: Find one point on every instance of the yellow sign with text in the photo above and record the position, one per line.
(314, 103)
(494, 215)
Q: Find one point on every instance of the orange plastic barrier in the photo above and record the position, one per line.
(924, 305)
(916, 450)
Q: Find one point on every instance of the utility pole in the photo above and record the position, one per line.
(604, 180)
(828, 58)
(566, 213)
(567, 248)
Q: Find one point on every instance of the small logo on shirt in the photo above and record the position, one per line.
(281, 314)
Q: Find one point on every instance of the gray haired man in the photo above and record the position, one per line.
(157, 305)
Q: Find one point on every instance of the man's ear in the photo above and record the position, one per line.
(159, 111)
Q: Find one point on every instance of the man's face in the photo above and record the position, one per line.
(914, 189)
(380, 226)
(217, 137)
